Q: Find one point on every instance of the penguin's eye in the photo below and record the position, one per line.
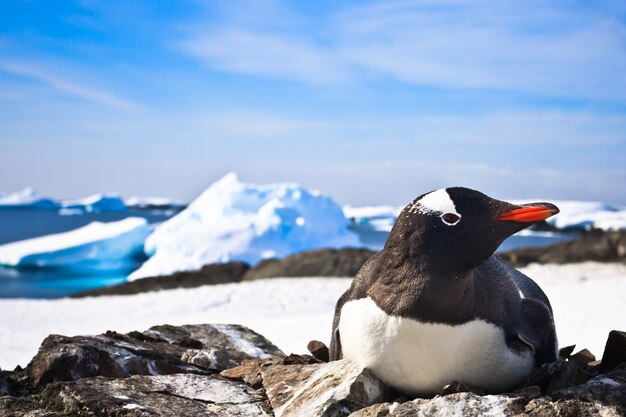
(450, 218)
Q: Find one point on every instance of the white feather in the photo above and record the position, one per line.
(438, 202)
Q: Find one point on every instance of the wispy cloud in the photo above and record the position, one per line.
(266, 54)
(537, 47)
(40, 73)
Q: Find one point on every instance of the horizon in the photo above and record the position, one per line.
(370, 102)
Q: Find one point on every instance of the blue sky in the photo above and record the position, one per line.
(370, 102)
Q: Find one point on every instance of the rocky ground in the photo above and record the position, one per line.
(229, 370)
(596, 246)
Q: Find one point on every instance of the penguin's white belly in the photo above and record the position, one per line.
(420, 358)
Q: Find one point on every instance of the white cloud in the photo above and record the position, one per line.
(271, 55)
(532, 47)
(38, 72)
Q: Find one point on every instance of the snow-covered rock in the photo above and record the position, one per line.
(27, 198)
(97, 246)
(96, 203)
(233, 220)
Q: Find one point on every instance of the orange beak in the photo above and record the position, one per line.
(530, 213)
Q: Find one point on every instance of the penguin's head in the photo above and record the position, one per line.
(456, 229)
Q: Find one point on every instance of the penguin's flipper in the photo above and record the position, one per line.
(537, 330)
(335, 339)
(335, 346)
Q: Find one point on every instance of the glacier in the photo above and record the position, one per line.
(98, 246)
(96, 203)
(27, 198)
(30, 199)
(233, 220)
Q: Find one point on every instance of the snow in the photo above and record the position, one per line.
(153, 202)
(587, 215)
(27, 198)
(587, 299)
(96, 246)
(233, 220)
(96, 203)
(371, 211)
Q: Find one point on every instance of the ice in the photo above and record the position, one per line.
(233, 220)
(587, 299)
(587, 215)
(96, 203)
(95, 247)
(154, 203)
(27, 198)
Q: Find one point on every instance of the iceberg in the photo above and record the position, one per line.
(158, 203)
(96, 203)
(233, 220)
(378, 218)
(586, 215)
(27, 198)
(95, 247)
(589, 215)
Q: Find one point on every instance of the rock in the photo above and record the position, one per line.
(601, 247)
(249, 371)
(554, 376)
(209, 275)
(320, 262)
(319, 350)
(564, 352)
(168, 395)
(315, 263)
(18, 407)
(614, 351)
(161, 350)
(328, 389)
(295, 359)
(9, 385)
(604, 395)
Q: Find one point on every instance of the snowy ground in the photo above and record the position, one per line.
(588, 300)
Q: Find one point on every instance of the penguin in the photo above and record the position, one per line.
(436, 306)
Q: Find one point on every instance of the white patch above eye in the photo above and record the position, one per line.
(437, 202)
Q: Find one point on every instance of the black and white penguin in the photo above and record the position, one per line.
(436, 305)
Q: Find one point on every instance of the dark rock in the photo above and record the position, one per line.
(315, 263)
(19, 407)
(601, 247)
(327, 389)
(564, 352)
(319, 350)
(164, 395)
(561, 374)
(614, 351)
(583, 358)
(10, 386)
(161, 350)
(209, 275)
(294, 359)
(459, 386)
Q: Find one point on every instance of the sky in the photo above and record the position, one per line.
(371, 102)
